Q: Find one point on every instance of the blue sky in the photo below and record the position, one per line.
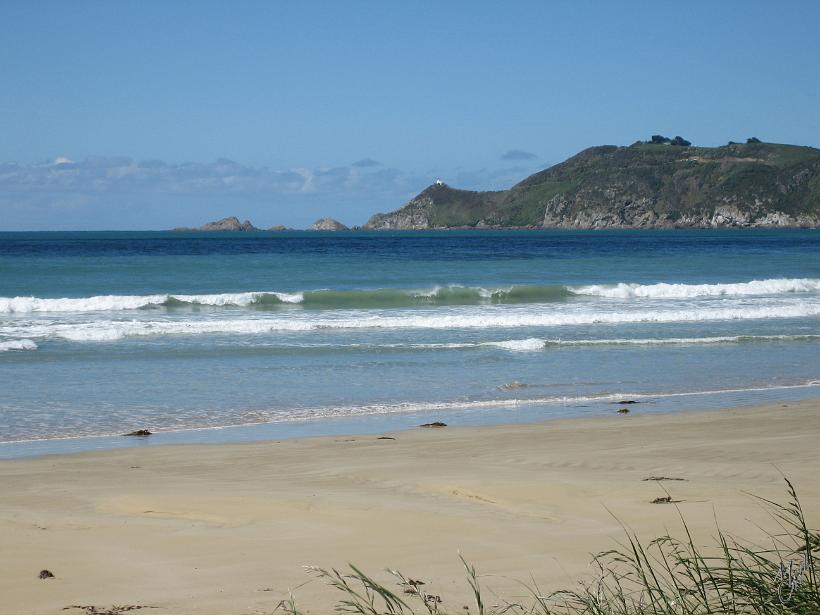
(172, 113)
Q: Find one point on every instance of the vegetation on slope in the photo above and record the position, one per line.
(659, 183)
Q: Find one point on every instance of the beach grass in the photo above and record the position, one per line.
(665, 576)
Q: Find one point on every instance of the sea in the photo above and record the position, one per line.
(232, 337)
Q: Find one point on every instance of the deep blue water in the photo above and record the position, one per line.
(304, 332)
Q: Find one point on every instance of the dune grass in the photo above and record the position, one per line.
(666, 576)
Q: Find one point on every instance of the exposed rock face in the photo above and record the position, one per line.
(645, 185)
(225, 224)
(413, 216)
(328, 224)
(643, 213)
(278, 227)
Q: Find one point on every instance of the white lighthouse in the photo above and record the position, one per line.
(439, 182)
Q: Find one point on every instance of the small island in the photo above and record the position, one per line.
(231, 223)
(328, 224)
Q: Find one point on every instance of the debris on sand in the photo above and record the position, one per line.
(385, 438)
(623, 411)
(46, 574)
(665, 500)
(659, 478)
(117, 609)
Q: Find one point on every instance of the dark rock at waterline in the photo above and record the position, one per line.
(434, 424)
(385, 438)
(626, 401)
(139, 433)
(623, 410)
(660, 478)
(45, 574)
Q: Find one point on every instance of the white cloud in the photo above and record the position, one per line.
(121, 174)
(119, 192)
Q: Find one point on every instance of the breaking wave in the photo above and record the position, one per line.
(397, 297)
(356, 298)
(17, 345)
(683, 291)
(110, 330)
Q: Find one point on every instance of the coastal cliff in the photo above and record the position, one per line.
(657, 184)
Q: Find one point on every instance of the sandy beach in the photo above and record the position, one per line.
(224, 529)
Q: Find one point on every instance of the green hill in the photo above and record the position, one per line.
(644, 185)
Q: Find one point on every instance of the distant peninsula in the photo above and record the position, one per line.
(661, 183)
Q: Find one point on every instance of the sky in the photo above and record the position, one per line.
(150, 115)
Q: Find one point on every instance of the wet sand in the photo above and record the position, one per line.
(224, 529)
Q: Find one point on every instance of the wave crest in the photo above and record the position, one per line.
(400, 297)
(323, 298)
(685, 291)
(17, 345)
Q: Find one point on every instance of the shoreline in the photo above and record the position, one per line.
(222, 529)
(475, 414)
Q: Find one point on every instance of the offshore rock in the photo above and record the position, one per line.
(328, 224)
(231, 223)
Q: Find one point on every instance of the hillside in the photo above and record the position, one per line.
(644, 185)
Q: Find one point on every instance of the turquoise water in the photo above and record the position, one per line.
(244, 336)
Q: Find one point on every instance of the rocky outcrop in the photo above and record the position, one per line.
(328, 224)
(231, 223)
(439, 206)
(413, 216)
(278, 227)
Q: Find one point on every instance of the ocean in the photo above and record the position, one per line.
(245, 336)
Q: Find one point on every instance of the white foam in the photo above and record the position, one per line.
(92, 334)
(290, 297)
(532, 344)
(684, 291)
(296, 415)
(724, 339)
(238, 299)
(84, 304)
(474, 318)
(17, 345)
(618, 291)
(109, 303)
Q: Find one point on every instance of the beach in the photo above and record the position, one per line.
(227, 528)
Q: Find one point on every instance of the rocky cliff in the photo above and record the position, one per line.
(645, 185)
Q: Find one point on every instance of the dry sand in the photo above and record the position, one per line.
(225, 529)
